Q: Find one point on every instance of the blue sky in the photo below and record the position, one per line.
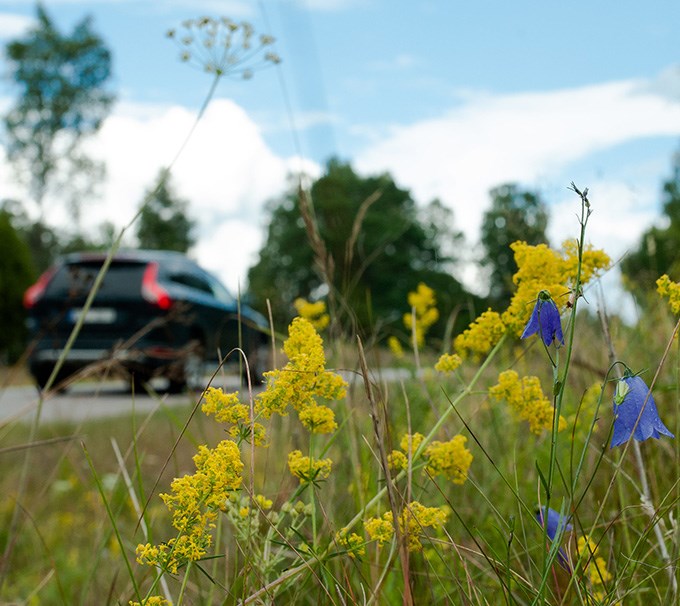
(452, 98)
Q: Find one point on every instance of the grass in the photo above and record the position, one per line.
(491, 551)
(78, 499)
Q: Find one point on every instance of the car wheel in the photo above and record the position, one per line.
(138, 381)
(189, 373)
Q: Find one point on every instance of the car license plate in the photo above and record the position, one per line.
(95, 315)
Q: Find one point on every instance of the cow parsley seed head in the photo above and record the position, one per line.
(223, 47)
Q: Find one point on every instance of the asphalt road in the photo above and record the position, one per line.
(91, 400)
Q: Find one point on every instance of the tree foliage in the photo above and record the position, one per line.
(378, 247)
(515, 214)
(62, 99)
(659, 249)
(16, 275)
(163, 223)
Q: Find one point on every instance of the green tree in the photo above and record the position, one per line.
(659, 249)
(515, 214)
(376, 244)
(62, 99)
(163, 223)
(16, 275)
(42, 241)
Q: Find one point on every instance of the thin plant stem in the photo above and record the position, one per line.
(645, 492)
(292, 572)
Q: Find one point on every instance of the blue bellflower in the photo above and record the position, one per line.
(631, 401)
(545, 319)
(554, 525)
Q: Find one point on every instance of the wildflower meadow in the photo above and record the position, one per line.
(530, 459)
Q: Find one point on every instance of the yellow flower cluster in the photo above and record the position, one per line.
(153, 600)
(413, 520)
(395, 347)
(227, 408)
(410, 442)
(424, 302)
(353, 543)
(194, 504)
(450, 459)
(397, 460)
(307, 469)
(318, 419)
(666, 288)
(481, 336)
(526, 399)
(380, 529)
(314, 313)
(448, 363)
(302, 380)
(595, 567)
(539, 268)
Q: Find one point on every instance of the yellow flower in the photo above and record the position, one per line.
(423, 302)
(526, 399)
(194, 501)
(481, 335)
(542, 268)
(450, 459)
(380, 529)
(303, 379)
(539, 268)
(666, 288)
(448, 363)
(263, 502)
(307, 469)
(153, 600)
(318, 419)
(314, 313)
(397, 460)
(395, 347)
(410, 442)
(226, 407)
(598, 573)
(413, 520)
(585, 545)
(353, 543)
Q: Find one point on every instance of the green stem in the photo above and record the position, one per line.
(558, 389)
(185, 580)
(292, 572)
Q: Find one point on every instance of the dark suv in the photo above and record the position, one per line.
(157, 313)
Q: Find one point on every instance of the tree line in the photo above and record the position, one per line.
(360, 241)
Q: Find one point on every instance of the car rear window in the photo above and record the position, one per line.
(74, 280)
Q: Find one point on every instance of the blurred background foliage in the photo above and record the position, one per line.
(359, 240)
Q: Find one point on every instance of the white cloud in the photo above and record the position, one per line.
(226, 171)
(12, 25)
(526, 138)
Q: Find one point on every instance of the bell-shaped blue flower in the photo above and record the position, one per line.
(633, 401)
(545, 319)
(555, 524)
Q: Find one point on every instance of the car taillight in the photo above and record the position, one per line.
(152, 291)
(34, 293)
